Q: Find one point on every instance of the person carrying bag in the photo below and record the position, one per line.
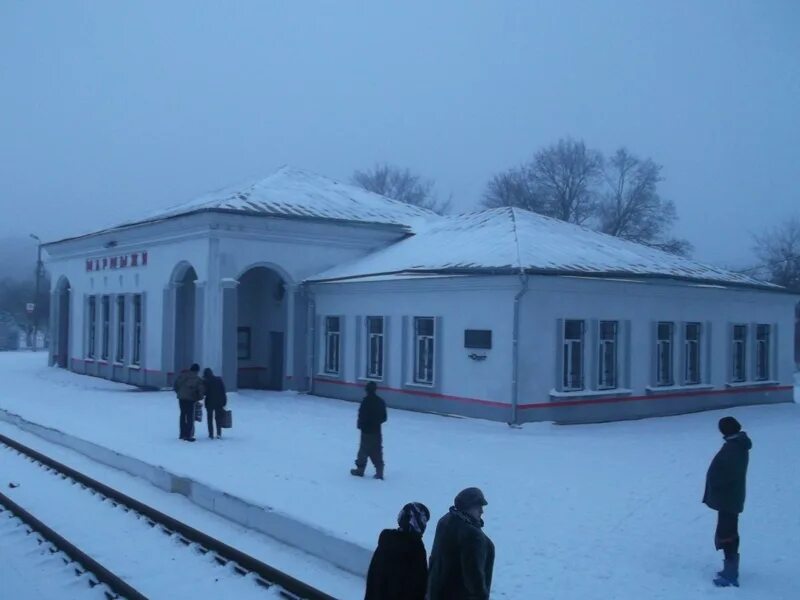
(216, 399)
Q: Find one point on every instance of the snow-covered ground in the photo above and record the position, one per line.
(579, 512)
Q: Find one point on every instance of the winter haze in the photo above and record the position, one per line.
(111, 110)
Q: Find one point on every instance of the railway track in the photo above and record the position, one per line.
(223, 566)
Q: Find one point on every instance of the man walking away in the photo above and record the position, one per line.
(371, 415)
(399, 567)
(216, 399)
(725, 492)
(189, 388)
(462, 559)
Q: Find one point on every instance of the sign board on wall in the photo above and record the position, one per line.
(122, 261)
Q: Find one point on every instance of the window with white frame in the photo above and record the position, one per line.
(424, 346)
(120, 353)
(763, 337)
(739, 354)
(691, 353)
(333, 339)
(91, 349)
(665, 336)
(136, 357)
(572, 370)
(105, 308)
(374, 346)
(607, 368)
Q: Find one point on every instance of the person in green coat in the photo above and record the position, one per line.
(726, 483)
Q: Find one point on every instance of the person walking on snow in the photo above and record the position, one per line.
(462, 558)
(371, 415)
(216, 399)
(189, 388)
(399, 567)
(725, 493)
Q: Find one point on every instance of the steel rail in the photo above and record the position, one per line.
(268, 575)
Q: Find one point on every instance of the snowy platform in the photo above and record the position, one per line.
(600, 511)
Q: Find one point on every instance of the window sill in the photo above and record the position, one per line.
(89, 360)
(366, 379)
(117, 363)
(332, 376)
(134, 367)
(655, 389)
(420, 386)
(591, 393)
(747, 384)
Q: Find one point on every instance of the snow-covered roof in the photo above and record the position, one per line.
(294, 192)
(514, 240)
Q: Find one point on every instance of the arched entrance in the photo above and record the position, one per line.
(185, 294)
(62, 324)
(261, 329)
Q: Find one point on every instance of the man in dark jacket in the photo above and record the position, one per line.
(725, 492)
(189, 388)
(399, 567)
(216, 399)
(371, 415)
(462, 558)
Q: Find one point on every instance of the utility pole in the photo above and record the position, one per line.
(38, 288)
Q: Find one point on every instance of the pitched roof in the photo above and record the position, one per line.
(514, 240)
(294, 192)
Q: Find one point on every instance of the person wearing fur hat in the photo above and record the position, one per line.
(462, 558)
(725, 493)
(399, 567)
(371, 415)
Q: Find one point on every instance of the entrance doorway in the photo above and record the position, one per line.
(185, 293)
(62, 326)
(261, 329)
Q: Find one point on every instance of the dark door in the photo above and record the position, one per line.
(63, 330)
(276, 360)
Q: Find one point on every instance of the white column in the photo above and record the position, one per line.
(229, 325)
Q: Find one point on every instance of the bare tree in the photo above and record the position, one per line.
(564, 176)
(778, 250)
(631, 207)
(558, 182)
(513, 188)
(401, 184)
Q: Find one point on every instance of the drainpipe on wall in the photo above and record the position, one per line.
(515, 351)
(311, 341)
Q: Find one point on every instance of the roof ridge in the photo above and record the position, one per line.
(516, 239)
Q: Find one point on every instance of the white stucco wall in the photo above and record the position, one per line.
(643, 304)
(460, 303)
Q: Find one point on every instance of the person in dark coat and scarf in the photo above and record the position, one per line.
(462, 558)
(371, 415)
(399, 567)
(216, 399)
(725, 493)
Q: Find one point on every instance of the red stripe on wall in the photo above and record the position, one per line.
(558, 403)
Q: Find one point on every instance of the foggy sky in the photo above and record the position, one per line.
(109, 110)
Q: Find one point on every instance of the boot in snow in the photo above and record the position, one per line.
(729, 576)
(379, 473)
(357, 472)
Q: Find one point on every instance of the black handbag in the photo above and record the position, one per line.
(227, 419)
(198, 411)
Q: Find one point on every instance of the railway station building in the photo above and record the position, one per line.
(299, 282)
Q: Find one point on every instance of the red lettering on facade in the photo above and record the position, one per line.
(134, 259)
